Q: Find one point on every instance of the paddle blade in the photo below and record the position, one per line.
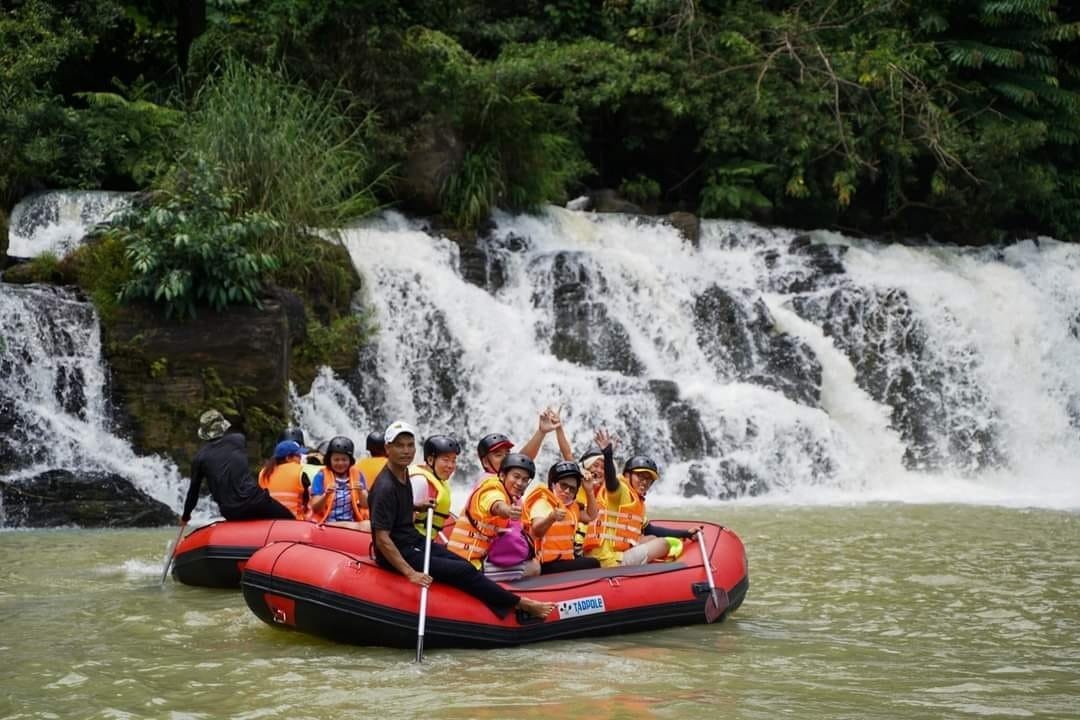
(169, 554)
(715, 605)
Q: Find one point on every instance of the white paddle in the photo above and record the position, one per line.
(424, 593)
(170, 552)
(707, 562)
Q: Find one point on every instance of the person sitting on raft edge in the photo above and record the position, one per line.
(222, 462)
(400, 546)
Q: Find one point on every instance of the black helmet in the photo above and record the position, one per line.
(440, 445)
(492, 442)
(340, 444)
(641, 462)
(376, 445)
(564, 469)
(518, 460)
(592, 452)
(292, 433)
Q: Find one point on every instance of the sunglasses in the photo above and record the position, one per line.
(567, 487)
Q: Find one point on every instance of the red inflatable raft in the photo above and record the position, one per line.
(215, 555)
(345, 596)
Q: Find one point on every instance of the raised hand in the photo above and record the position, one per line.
(549, 420)
(603, 439)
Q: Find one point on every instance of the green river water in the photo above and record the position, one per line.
(863, 611)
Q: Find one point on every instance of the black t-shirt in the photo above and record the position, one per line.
(223, 464)
(391, 504)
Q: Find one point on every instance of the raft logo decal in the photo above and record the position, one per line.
(576, 607)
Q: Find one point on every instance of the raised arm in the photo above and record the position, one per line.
(543, 427)
(606, 442)
(565, 450)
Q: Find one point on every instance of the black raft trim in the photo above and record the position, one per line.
(211, 565)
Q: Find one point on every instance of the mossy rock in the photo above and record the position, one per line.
(165, 374)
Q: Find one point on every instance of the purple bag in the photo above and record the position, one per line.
(510, 548)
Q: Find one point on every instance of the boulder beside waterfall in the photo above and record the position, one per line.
(57, 498)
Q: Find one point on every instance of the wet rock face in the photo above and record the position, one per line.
(735, 480)
(90, 500)
(439, 383)
(736, 334)
(436, 153)
(930, 393)
(583, 332)
(165, 374)
(689, 438)
(805, 267)
(483, 258)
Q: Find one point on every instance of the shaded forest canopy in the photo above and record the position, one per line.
(954, 118)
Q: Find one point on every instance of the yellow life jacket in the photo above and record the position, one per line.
(558, 542)
(475, 529)
(285, 486)
(623, 526)
(440, 490)
(371, 467)
(357, 492)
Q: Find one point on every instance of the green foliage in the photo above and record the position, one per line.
(195, 245)
(159, 367)
(34, 40)
(640, 189)
(259, 418)
(519, 149)
(44, 268)
(959, 118)
(335, 344)
(47, 136)
(137, 136)
(101, 268)
(293, 154)
(731, 190)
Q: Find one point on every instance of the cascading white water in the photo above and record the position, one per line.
(54, 409)
(56, 221)
(752, 364)
(53, 394)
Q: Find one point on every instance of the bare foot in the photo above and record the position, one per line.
(535, 608)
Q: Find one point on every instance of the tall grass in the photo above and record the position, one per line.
(297, 155)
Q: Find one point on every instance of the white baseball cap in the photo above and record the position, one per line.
(398, 427)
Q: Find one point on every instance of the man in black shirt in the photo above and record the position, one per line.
(223, 463)
(400, 546)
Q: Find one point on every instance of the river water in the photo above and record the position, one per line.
(857, 611)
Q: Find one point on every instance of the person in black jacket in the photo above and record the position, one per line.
(223, 463)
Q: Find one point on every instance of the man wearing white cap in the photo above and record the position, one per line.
(400, 546)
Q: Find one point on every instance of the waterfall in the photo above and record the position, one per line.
(760, 362)
(54, 410)
(56, 221)
(54, 403)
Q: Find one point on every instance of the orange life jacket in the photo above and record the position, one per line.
(371, 467)
(356, 487)
(285, 486)
(588, 533)
(474, 529)
(621, 526)
(558, 542)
